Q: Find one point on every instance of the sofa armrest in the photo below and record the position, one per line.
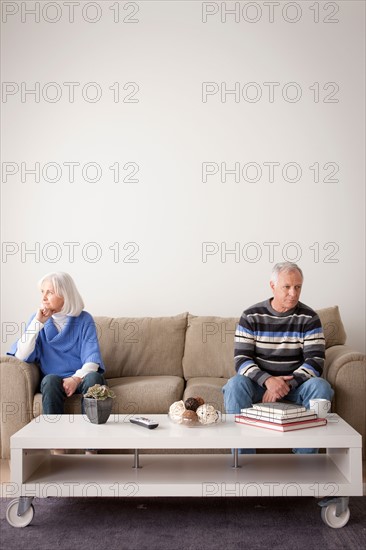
(19, 382)
(345, 370)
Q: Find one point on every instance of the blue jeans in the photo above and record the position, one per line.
(241, 392)
(53, 395)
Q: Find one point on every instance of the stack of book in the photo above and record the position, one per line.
(279, 416)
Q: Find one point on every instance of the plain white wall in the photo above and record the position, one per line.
(158, 244)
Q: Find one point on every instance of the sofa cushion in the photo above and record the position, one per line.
(134, 395)
(210, 389)
(333, 328)
(72, 404)
(146, 394)
(142, 346)
(209, 349)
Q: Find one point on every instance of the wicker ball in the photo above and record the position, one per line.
(190, 417)
(191, 404)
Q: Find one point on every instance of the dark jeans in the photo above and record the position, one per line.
(53, 395)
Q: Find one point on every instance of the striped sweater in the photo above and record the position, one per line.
(269, 343)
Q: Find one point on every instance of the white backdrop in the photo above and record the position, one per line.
(167, 154)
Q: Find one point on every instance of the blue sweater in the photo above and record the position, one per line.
(63, 353)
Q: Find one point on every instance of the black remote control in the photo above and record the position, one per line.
(145, 422)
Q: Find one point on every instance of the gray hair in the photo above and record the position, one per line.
(284, 267)
(64, 286)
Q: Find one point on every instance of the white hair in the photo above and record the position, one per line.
(64, 286)
(284, 267)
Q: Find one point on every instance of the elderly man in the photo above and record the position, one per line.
(279, 350)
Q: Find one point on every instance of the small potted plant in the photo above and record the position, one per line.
(98, 401)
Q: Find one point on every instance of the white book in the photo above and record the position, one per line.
(280, 408)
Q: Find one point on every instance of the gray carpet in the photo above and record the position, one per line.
(290, 523)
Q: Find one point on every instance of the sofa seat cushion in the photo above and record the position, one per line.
(145, 394)
(210, 389)
(142, 346)
(134, 395)
(72, 404)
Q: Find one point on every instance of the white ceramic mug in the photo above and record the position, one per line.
(320, 406)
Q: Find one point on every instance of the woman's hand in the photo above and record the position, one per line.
(43, 314)
(70, 385)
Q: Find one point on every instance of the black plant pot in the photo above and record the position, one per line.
(98, 410)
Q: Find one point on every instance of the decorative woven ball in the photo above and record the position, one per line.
(200, 400)
(190, 417)
(207, 414)
(191, 404)
(176, 410)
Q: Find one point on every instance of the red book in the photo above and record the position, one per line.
(256, 414)
(298, 425)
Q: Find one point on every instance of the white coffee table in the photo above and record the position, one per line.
(35, 472)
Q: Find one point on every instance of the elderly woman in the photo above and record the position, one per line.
(62, 339)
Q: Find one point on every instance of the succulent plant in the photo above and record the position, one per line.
(99, 392)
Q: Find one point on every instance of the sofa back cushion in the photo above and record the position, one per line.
(209, 349)
(333, 328)
(142, 346)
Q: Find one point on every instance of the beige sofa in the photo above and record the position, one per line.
(152, 362)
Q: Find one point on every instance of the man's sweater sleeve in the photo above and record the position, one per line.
(313, 351)
(245, 352)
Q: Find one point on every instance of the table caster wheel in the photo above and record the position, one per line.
(330, 518)
(19, 521)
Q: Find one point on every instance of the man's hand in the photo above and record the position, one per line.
(70, 384)
(277, 388)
